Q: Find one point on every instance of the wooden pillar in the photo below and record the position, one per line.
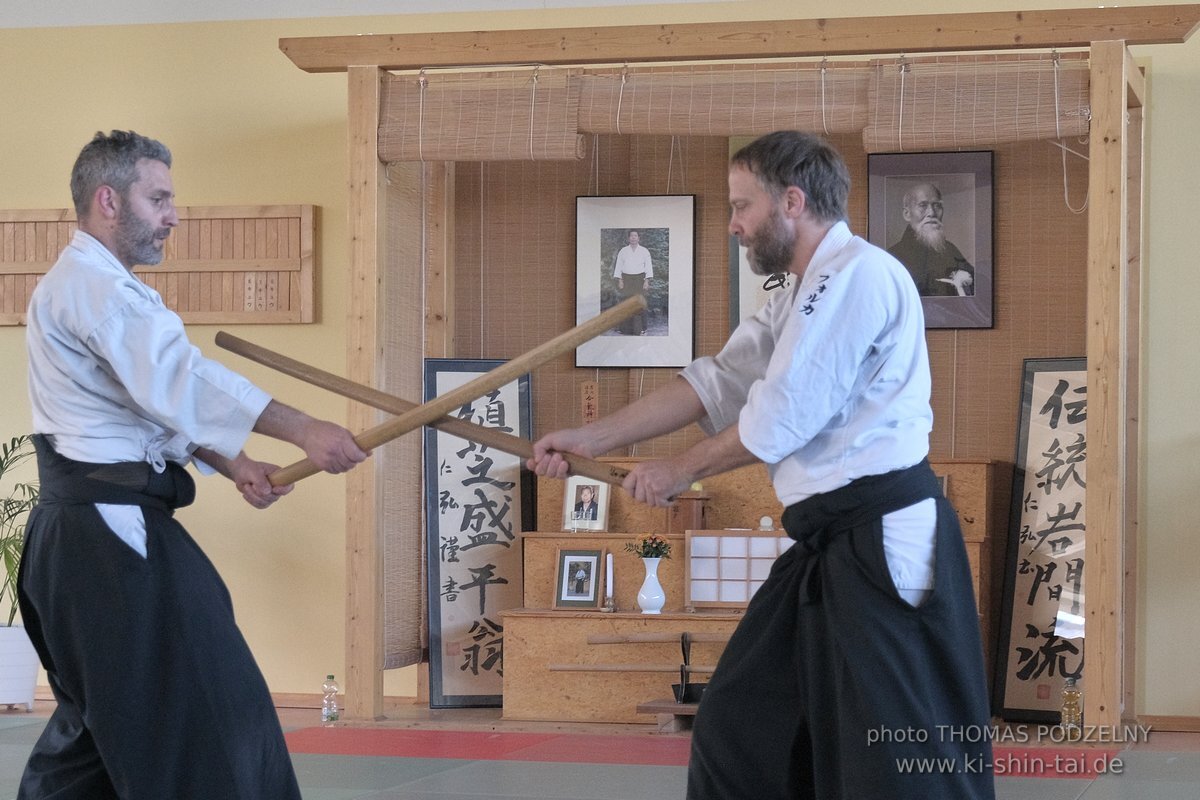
(1110, 319)
(364, 555)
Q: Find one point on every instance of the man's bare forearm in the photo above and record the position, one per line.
(663, 411)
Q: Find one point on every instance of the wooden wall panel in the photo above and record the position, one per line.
(222, 265)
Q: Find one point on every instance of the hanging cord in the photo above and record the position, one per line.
(621, 95)
(532, 107)
(482, 251)
(954, 396)
(824, 69)
(423, 85)
(1063, 149)
(904, 67)
(671, 165)
(594, 177)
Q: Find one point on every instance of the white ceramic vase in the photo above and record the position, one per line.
(651, 596)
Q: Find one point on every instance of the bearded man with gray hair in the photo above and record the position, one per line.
(938, 267)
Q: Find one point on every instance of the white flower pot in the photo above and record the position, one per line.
(18, 667)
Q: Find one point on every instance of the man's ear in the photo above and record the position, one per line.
(106, 202)
(794, 202)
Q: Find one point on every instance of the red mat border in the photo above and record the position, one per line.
(667, 751)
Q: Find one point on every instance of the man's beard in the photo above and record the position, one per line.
(770, 250)
(932, 236)
(137, 241)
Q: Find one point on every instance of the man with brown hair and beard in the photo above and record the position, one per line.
(936, 265)
(856, 653)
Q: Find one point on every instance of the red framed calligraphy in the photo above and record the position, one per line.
(1041, 636)
(477, 501)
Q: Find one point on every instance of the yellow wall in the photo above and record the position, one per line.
(247, 127)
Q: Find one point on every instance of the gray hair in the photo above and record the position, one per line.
(792, 158)
(111, 160)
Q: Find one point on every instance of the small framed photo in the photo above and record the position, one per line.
(933, 212)
(579, 579)
(585, 504)
(637, 245)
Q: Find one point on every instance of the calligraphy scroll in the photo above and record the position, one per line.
(477, 501)
(1041, 640)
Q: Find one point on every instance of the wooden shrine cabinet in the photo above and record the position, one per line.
(589, 665)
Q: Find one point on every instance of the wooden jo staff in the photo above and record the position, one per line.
(443, 404)
(491, 437)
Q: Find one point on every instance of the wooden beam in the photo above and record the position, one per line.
(364, 550)
(703, 41)
(1107, 351)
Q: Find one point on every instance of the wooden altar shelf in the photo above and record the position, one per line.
(539, 549)
(657, 637)
(978, 489)
(592, 666)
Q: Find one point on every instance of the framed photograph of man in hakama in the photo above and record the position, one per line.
(933, 212)
(637, 245)
(579, 579)
(477, 501)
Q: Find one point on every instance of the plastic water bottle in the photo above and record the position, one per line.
(1072, 711)
(329, 703)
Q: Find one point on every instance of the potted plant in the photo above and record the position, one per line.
(18, 660)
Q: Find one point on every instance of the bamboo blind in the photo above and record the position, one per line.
(222, 265)
(946, 102)
(727, 100)
(960, 102)
(399, 462)
(523, 115)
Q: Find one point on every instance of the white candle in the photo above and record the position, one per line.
(608, 587)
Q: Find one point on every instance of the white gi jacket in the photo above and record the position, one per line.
(113, 377)
(829, 381)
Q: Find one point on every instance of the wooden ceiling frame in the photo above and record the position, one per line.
(1114, 251)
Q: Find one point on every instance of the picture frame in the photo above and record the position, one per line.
(477, 502)
(579, 578)
(956, 281)
(585, 504)
(665, 228)
(1041, 626)
(748, 291)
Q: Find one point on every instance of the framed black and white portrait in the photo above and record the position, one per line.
(933, 212)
